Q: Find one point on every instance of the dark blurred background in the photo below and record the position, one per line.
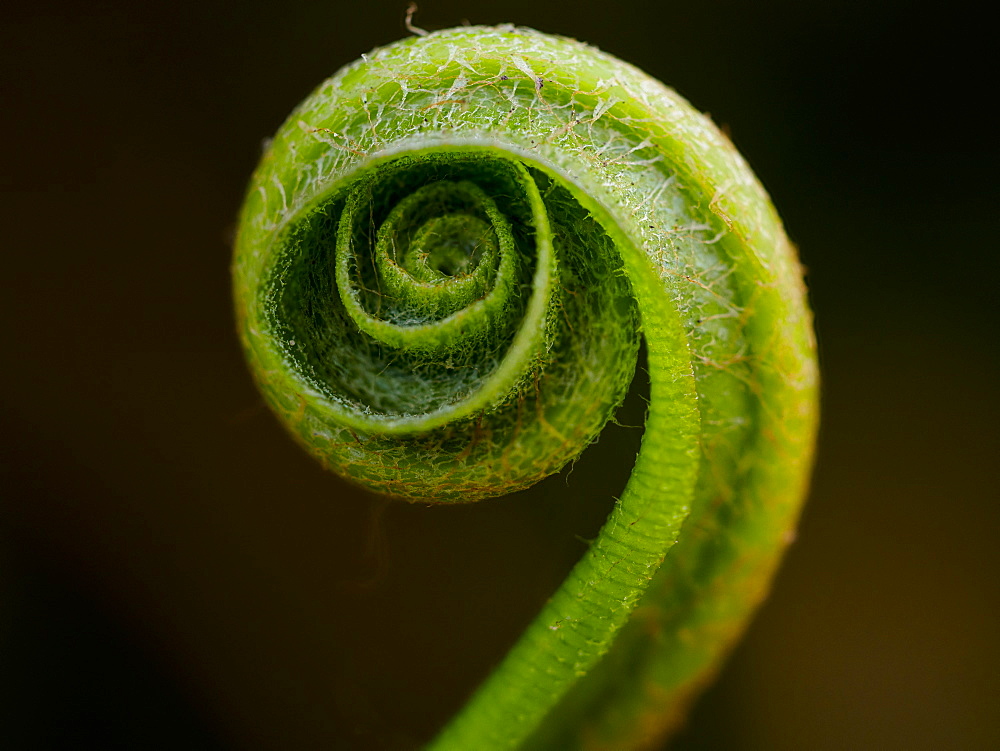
(175, 573)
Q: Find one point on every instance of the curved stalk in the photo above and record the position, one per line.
(445, 262)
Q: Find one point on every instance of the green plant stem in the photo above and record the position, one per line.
(445, 261)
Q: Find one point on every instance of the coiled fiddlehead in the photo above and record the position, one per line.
(444, 264)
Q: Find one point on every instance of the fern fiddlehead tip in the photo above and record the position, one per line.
(444, 265)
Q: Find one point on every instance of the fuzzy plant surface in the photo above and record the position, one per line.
(445, 263)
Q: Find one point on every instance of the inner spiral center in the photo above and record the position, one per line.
(448, 246)
(441, 233)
